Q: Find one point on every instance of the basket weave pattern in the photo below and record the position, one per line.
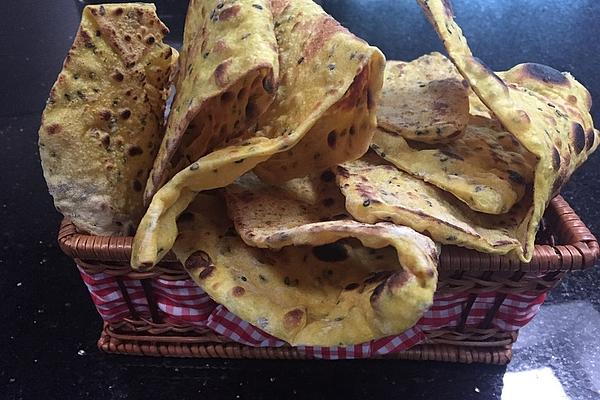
(566, 244)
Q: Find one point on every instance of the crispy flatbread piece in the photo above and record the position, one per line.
(377, 191)
(425, 100)
(486, 168)
(101, 127)
(546, 111)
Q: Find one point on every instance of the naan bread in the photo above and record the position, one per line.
(425, 100)
(545, 110)
(313, 283)
(102, 124)
(309, 95)
(377, 191)
(228, 77)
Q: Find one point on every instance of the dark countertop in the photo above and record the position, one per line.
(49, 326)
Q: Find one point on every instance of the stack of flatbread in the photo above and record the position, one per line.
(261, 181)
(472, 157)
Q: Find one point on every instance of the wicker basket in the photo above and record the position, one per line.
(565, 244)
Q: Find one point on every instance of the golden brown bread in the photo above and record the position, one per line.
(228, 76)
(298, 125)
(101, 127)
(425, 100)
(311, 282)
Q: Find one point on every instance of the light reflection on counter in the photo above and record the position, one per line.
(557, 355)
(540, 383)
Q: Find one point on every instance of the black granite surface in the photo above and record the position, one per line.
(48, 324)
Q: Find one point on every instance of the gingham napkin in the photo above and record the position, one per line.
(182, 302)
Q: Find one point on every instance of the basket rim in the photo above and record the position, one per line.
(579, 250)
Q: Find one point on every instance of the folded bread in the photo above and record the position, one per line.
(228, 77)
(325, 70)
(378, 191)
(301, 273)
(425, 100)
(482, 165)
(545, 110)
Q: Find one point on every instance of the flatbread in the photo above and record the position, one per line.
(295, 213)
(376, 191)
(307, 90)
(267, 216)
(545, 110)
(228, 77)
(328, 56)
(320, 287)
(425, 100)
(486, 168)
(477, 108)
(483, 165)
(101, 127)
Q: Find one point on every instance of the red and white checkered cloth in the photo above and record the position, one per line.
(182, 302)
